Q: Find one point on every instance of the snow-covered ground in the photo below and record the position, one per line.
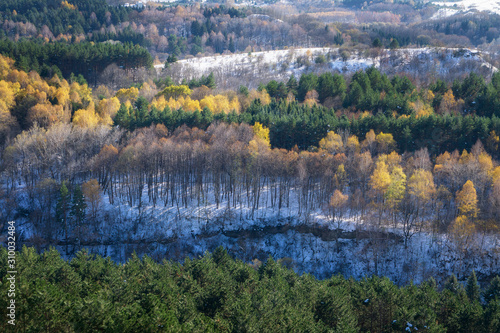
(253, 68)
(462, 6)
(307, 241)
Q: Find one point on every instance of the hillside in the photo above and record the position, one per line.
(253, 68)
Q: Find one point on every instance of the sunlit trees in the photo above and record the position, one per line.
(463, 228)
(379, 182)
(338, 201)
(176, 91)
(332, 143)
(396, 189)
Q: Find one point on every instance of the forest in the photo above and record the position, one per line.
(328, 200)
(216, 293)
(384, 168)
(50, 28)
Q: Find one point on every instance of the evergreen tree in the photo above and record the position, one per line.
(122, 117)
(62, 209)
(292, 85)
(472, 288)
(141, 112)
(377, 43)
(307, 82)
(492, 293)
(210, 81)
(394, 44)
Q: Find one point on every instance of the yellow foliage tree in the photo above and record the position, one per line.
(352, 144)
(428, 96)
(191, 105)
(129, 94)
(485, 162)
(159, 103)
(222, 103)
(369, 141)
(465, 157)
(208, 102)
(84, 93)
(45, 114)
(7, 95)
(148, 91)
(380, 179)
(448, 103)
(332, 143)
(337, 202)
(462, 229)
(421, 109)
(235, 105)
(392, 160)
(176, 91)
(385, 142)
(86, 117)
(6, 65)
(262, 133)
(421, 185)
(495, 174)
(467, 200)
(264, 97)
(396, 188)
(66, 4)
(107, 109)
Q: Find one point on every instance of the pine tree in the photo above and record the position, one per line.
(292, 85)
(493, 291)
(377, 42)
(394, 44)
(62, 209)
(472, 288)
(210, 81)
(122, 117)
(453, 285)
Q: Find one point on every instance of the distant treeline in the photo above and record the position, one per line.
(85, 58)
(63, 17)
(440, 117)
(217, 293)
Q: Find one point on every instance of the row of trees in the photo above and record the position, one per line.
(233, 167)
(373, 91)
(64, 58)
(217, 293)
(293, 124)
(407, 114)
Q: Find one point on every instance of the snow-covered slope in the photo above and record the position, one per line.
(260, 67)
(462, 6)
(308, 240)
